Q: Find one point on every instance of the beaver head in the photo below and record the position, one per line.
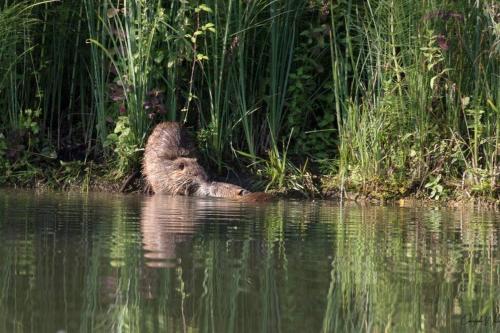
(220, 190)
(181, 175)
(230, 191)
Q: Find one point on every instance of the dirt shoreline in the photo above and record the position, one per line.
(136, 184)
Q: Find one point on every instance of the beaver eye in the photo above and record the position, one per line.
(243, 192)
(181, 166)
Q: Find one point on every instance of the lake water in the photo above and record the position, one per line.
(112, 263)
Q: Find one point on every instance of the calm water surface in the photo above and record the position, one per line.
(109, 263)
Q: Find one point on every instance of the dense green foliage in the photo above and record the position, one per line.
(381, 95)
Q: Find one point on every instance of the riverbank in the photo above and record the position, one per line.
(79, 177)
(377, 100)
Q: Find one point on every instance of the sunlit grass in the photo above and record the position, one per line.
(382, 95)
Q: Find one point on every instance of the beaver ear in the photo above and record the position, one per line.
(181, 166)
(243, 192)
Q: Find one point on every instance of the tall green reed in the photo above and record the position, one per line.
(47, 78)
(229, 33)
(411, 91)
(15, 22)
(402, 74)
(283, 30)
(123, 70)
(98, 73)
(131, 31)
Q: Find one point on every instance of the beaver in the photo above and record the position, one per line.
(169, 140)
(169, 163)
(220, 190)
(230, 191)
(170, 167)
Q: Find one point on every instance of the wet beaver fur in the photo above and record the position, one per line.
(170, 167)
(230, 191)
(220, 190)
(169, 164)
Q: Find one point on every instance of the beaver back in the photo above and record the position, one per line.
(169, 140)
(168, 164)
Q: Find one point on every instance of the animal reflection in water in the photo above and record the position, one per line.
(169, 221)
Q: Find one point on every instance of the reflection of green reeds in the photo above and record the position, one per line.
(5, 283)
(282, 267)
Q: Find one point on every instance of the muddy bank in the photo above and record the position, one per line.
(100, 181)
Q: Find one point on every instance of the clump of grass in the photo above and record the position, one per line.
(130, 34)
(401, 107)
(15, 19)
(127, 56)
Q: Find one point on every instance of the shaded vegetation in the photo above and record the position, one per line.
(383, 97)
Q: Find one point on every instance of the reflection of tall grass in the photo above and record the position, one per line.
(288, 267)
(5, 286)
(90, 303)
(383, 275)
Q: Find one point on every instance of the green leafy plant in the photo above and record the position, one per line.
(123, 143)
(435, 188)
